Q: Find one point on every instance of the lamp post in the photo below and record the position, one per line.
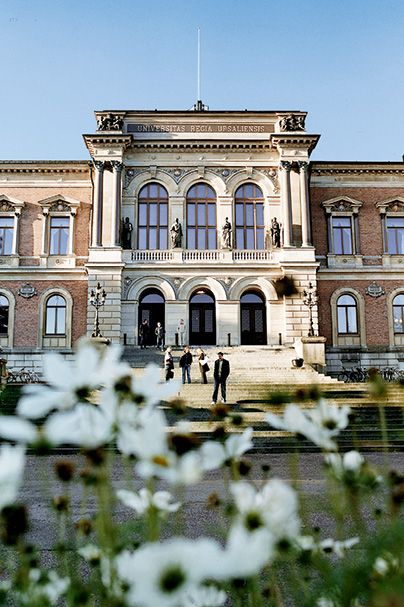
(310, 300)
(97, 299)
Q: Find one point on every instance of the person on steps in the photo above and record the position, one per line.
(185, 364)
(220, 374)
(203, 365)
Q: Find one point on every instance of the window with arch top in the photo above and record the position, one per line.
(4, 310)
(398, 313)
(55, 315)
(201, 217)
(250, 229)
(347, 315)
(153, 217)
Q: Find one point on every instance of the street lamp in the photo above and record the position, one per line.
(97, 299)
(310, 300)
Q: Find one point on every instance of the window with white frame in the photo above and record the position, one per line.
(395, 235)
(347, 315)
(55, 315)
(343, 225)
(4, 314)
(10, 211)
(58, 227)
(398, 314)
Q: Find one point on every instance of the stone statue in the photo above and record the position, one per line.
(275, 233)
(110, 122)
(176, 234)
(127, 229)
(226, 234)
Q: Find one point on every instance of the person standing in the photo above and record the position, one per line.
(185, 364)
(144, 334)
(159, 333)
(220, 374)
(203, 364)
(181, 332)
(168, 364)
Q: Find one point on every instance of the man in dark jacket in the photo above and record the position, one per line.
(144, 333)
(185, 364)
(220, 375)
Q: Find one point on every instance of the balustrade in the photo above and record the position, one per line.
(198, 256)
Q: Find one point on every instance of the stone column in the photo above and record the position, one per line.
(17, 215)
(304, 204)
(286, 201)
(96, 232)
(116, 210)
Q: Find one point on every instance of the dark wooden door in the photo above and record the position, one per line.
(253, 324)
(202, 324)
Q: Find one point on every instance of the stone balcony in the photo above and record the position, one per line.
(196, 257)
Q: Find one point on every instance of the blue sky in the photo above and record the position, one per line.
(343, 62)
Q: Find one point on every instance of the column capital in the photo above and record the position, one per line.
(117, 165)
(285, 165)
(303, 165)
(99, 165)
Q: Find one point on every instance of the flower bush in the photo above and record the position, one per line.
(266, 551)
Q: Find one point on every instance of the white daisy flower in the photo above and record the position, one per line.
(246, 553)
(12, 463)
(163, 574)
(205, 596)
(214, 454)
(352, 462)
(150, 390)
(145, 499)
(86, 425)
(337, 547)
(19, 430)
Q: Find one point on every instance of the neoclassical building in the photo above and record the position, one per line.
(195, 216)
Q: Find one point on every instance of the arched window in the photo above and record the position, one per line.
(398, 313)
(347, 315)
(249, 217)
(4, 308)
(55, 315)
(153, 217)
(201, 217)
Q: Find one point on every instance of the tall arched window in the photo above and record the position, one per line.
(398, 313)
(250, 229)
(201, 217)
(55, 315)
(347, 315)
(4, 308)
(153, 217)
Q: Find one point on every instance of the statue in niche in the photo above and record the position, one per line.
(176, 234)
(127, 229)
(275, 233)
(226, 234)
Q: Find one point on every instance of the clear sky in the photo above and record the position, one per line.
(342, 61)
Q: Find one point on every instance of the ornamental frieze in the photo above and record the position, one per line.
(292, 122)
(272, 175)
(110, 122)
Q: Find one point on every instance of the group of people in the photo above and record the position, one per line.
(221, 370)
(144, 332)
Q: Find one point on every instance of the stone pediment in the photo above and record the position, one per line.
(392, 205)
(342, 204)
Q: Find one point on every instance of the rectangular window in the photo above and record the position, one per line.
(6, 235)
(59, 236)
(395, 235)
(342, 235)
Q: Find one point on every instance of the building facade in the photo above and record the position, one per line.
(191, 219)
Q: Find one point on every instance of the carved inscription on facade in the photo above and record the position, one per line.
(235, 128)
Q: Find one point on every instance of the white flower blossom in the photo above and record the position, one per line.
(274, 506)
(19, 430)
(44, 587)
(150, 389)
(245, 553)
(145, 499)
(319, 425)
(352, 461)
(385, 564)
(163, 574)
(69, 383)
(205, 596)
(338, 547)
(86, 425)
(214, 454)
(90, 552)
(12, 463)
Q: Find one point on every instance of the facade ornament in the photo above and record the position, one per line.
(5, 206)
(130, 174)
(176, 234)
(60, 207)
(303, 165)
(275, 233)
(178, 281)
(292, 122)
(126, 234)
(286, 165)
(99, 165)
(27, 291)
(375, 290)
(127, 283)
(396, 207)
(272, 175)
(226, 234)
(110, 122)
(177, 174)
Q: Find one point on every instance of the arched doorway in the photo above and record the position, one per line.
(253, 319)
(152, 309)
(202, 318)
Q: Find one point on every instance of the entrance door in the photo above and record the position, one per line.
(152, 309)
(253, 319)
(202, 319)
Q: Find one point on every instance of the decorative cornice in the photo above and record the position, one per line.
(41, 166)
(363, 170)
(114, 140)
(294, 140)
(185, 146)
